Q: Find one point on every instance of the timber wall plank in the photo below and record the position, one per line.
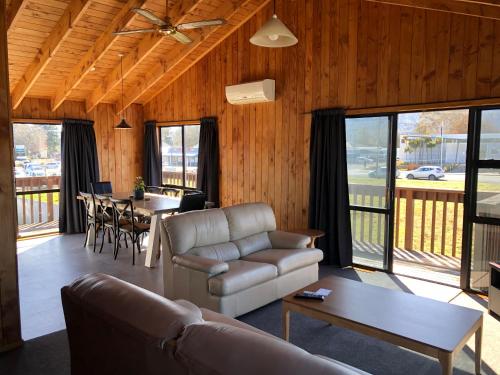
(351, 53)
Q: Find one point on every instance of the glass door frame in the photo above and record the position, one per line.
(473, 165)
(388, 211)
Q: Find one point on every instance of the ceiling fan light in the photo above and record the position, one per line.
(123, 125)
(274, 34)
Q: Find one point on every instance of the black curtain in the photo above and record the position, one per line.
(208, 160)
(79, 168)
(152, 164)
(328, 190)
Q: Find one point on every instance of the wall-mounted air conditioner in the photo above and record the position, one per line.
(251, 92)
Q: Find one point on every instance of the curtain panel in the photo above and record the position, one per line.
(79, 168)
(328, 189)
(152, 161)
(208, 160)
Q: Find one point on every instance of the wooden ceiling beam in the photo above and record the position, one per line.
(13, 12)
(181, 52)
(177, 14)
(100, 47)
(73, 13)
(483, 9)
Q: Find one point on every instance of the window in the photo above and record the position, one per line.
(179, 155)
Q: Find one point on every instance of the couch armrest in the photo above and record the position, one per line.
(288, 240)
(207, 265)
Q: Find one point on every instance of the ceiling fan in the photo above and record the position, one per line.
(165, 27)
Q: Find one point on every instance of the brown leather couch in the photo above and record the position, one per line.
(118, 328)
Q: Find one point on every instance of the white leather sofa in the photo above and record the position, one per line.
(233, 260)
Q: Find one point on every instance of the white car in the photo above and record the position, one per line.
(429, 172)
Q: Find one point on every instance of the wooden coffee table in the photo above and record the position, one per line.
(421, 324)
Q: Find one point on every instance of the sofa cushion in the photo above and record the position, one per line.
(250, 218)
(223, 251)
(241, 275)
(287, 260)
(196, 229)
(217, 348)
(251, 244)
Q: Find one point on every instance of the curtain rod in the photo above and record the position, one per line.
(178, 122)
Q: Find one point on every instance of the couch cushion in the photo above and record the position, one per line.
(217, 348)
(223, 251)
(250, 218)
(287, 260)
(241, 275)
(251, 244)
(196, 229)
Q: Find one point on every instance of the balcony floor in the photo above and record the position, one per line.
(37, 229)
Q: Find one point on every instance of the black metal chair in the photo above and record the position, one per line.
(126, 224)
(192, 201)
(92, 216)
(107, 218)
(102, 187)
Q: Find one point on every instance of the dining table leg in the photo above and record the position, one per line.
(91, 236)
(153, 242)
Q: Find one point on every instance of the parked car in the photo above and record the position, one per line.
(53, 169)
(381, 172)
(429, 172)
(35, 170)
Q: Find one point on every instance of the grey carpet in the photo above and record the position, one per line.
(50, 354)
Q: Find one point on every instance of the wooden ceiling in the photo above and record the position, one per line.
(65, 49)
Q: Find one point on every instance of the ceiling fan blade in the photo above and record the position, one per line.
(137, 31)
(180, 37)
(150, 16)
(198, 24)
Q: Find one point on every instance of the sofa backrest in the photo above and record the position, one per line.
(204, 233)
(218, 348)
(116, 327)
(248, 226)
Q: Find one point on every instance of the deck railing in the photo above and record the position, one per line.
(175, 178)
(428, 220)
(37, 203)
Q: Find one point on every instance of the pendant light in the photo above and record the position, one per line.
(274, 34)
(123, 125)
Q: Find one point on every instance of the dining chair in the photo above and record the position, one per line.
(192, 201)
(163, 190)
(127, 224)
(92, 216)
(102, 187)
(107, 218)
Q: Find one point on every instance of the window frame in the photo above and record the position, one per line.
(183, 144)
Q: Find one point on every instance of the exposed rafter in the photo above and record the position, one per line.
(71, 15)
(485, 9)
(102, 44)
(177, 14)
(202, 40)
(13, 12)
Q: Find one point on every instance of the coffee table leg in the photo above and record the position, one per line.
(286, 323)
(479, 335)
(446, 361)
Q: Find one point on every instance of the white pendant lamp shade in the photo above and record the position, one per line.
(274, 34)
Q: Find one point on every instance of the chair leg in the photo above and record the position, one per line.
(103, 238)
(133, 248)
(96, 228)
(117, 243)
(126, 243)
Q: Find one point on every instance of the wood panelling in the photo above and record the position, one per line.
(351, 53)
(10, 324)
(120, 151)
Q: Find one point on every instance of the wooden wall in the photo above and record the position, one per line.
(351, 53)
(10, 322)
(120, 152)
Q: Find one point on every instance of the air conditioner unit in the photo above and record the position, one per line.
(251, 92)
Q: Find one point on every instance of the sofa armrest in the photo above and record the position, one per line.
(207, 265)
(288, 240)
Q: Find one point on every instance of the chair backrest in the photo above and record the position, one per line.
(102, 207)
(192, 202)
(89, 203)
(102, 187)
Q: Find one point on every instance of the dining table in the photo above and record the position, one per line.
(154, 205)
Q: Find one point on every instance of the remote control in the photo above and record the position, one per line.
(316, 297)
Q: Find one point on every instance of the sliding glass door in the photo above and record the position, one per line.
(482, 204)
(370, 169)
